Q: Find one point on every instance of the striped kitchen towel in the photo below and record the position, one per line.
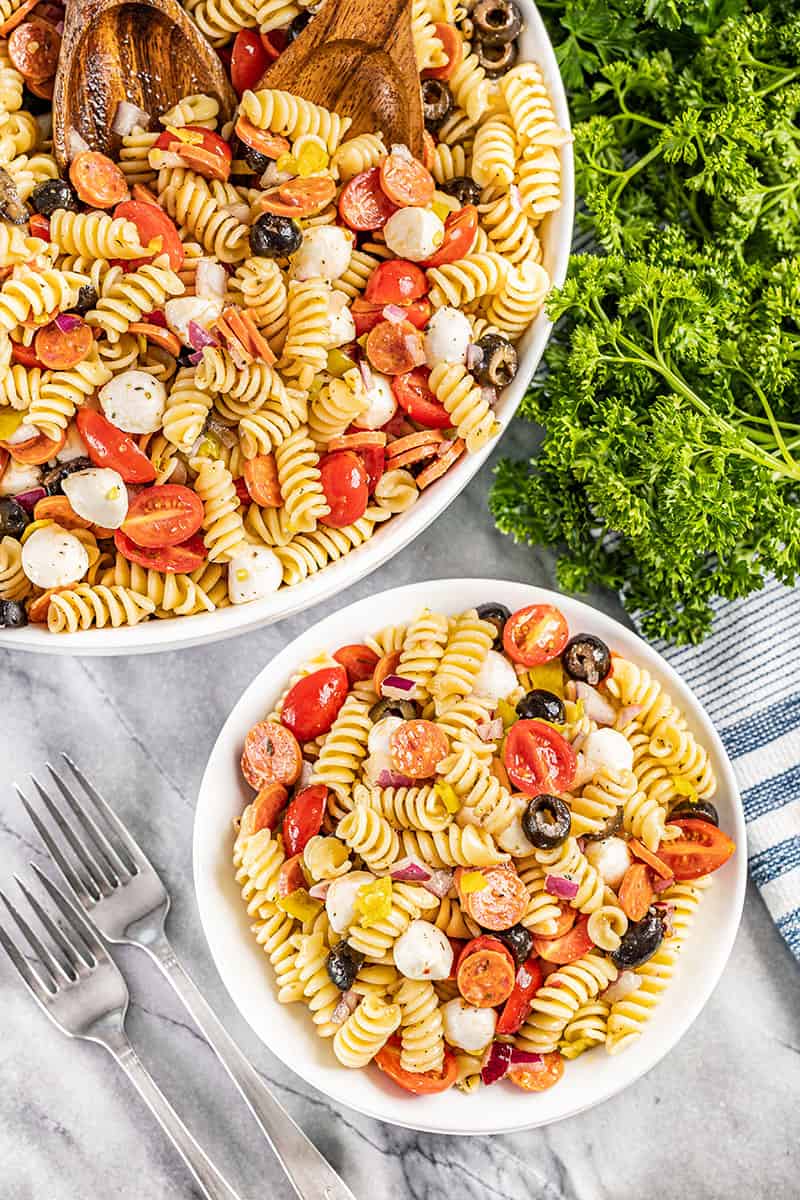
(747, 676)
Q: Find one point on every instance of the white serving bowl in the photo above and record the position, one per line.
(287, 1030)
(175, 632)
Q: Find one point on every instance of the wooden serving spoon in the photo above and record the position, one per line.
(148, 52)
(357, 57)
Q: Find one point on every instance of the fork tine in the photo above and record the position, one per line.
(109, 854)
(92, 875)
(129, 843)
(46, 960)
(55, 933)
(75, 920)
(71, 878)
(29, 977)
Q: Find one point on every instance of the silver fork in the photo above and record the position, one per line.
(83, 992)
(119, 888)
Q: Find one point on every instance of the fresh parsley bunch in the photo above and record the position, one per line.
(670, 466)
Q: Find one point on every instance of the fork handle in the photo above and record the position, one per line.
(209, 1180)
(311, 1175)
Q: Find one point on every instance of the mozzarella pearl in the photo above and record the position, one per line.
(341, 326)
(203, 310)
(496, 678)
(608, 748)
(423, 952)
(253, 574)
(381, 404)
(466, 1027)
(53, 557)
(325, 252)
(19, 477)
(447, 336)
(611, 857)
(340, 902)
(134, 401)
(413, 233)
(513, 839)
(378, 740)
(98, 495)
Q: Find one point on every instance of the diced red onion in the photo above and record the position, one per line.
(320, 890)
(596, 707)
(394, 313)
(196, 358)
(156, 317)
(444, 447)
(210, 280)
(626, 983)
(397, 687)
(413, 344)
(28, 500)
(489, 394)
(529, 1057)
(366, 373)
(627, 714)
(409, 870)
(490, 731)
(200, 337)
(557, 885)
(496, 1062)
(439, 883)
(127, 117)
(75, 144)
(473, 357)
(389, 778)
(661, 885)
(66, 322)
(347, 1005)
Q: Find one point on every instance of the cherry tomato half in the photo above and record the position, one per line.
(538, 759)
(261, 481)
(303, 818)
(568, 948)
(460, 232)
(108, 446)
(538, 1077)
(412, 393)
(535, 634)
(701, 849)
(363, 204)
(526, 984)
(163, 515)
(249, 60)
(152, 222)
(182, 559)
(312, 705)
(359, 662)
(25, 355)
(419, 1083)
(344, 482)
(396, 282)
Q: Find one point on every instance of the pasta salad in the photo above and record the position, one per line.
(476, 846)
(230, 355)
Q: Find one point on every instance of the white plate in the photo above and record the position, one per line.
(287, 1029)
(176, 632)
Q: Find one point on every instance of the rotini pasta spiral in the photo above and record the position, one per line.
(531, 109)
(470, 412)
(628, 1016)
(320, 994)
(464, 654)
(485, 803)
(539, 180)
(600, 799)
(274, 932)
(293, 116)
(198, 110)
(310, 552)
(14, 583)
(62, 392)
(190, 203)
(470, 87)
(85, 607)
(422, 650)
(494, 153)
(407, 807)
(21, 386)
(560, 998)
(396, 490)
(523, 292)
(543, 910)
(407, 904)
(509, 230)
(29, 293)
(300, 482)
(171, 592)
(344, 747)
(365, 1032)
(242, 392)
(568, 860)
(305, 347)
(219, 20)
(17, 246)
(422, 1041)
(586, 1029)
(369, 835)
(335, 407)
(607, 925)
(453, 847)
(468, 279)
(258, 284)
(257, 859)
(358, 154)
(186, 410)
(126, 298)
(95, 235)
(223, 525)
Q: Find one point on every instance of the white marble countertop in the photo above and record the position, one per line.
(716, 1120)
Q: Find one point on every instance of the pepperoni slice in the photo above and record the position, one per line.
(34, 48)
(261, 480)
(405, 181)
(59, 509)
(486, 976)
(97, 180)
(453, 45)
(358, 441)
(61, 349)
(385, 666)
(263, 813)
(394, 349)
(636, 892)
(501, 903)
(37, 450)
(43, 88)
(271, 755)
(363, 204)
(271, 145)
(417, 747)
(415, 455)
(164, 338)
(299, 197)
(424, 437)
(440, 465)
(428, 150)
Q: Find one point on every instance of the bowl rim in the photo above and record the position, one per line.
(180, 632)
(226, 931)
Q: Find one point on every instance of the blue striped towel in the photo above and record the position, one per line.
(747, 676)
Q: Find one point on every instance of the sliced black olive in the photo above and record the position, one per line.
(275, 237)
(499, 361)
(87, 299)
(640, 942)
(586, 657)
(12, 614)
(607, 829)
(14, 519)
(406, 709)
(497, 614)
(546, 822)
(53, 479)
(11, 206)
(51, 194)
(257, 161)
(519, 941)
(704, 810)
(437, 100)
(540, 705)
(497, 21)
(496, 60)
(297, 26)
(343, 964)
(465, 190)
